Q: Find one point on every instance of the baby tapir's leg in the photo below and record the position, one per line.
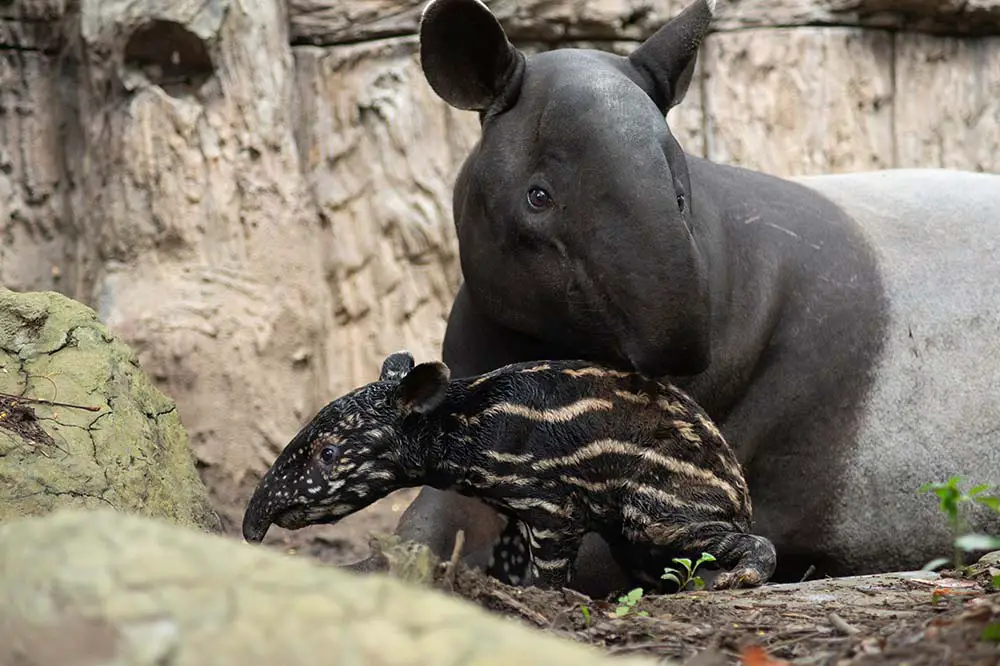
(553, 540)
(509, 560)
(553, 550)
(749, 558)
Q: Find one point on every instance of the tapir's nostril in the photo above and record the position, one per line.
(257, 518)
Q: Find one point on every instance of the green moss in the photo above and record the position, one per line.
(132, 455)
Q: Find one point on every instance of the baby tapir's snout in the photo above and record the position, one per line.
(275, 501)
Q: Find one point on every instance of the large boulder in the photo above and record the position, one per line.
(127, 451)
(96, 588)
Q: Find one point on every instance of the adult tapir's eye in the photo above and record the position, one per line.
(328, 454)
(539, 199)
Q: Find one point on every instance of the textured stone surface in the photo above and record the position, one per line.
(974, 17)
(199, 242)
(35, 242)
(132, 454)
(98, 588)
(339, 22)
(34, 229)
(800, 101)
(948, 102)
(380, 152)
(332, 22)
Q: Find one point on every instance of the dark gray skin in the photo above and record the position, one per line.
(841, 330)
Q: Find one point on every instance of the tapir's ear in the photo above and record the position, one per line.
(668, 56)
(465, 54)
(396, 366)
(424, 388)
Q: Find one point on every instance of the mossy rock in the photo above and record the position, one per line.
(132, 454)
(99, 588)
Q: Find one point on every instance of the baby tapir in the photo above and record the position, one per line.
(562, 448)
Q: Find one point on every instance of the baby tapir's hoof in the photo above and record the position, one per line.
(739, 578)
(757, 560)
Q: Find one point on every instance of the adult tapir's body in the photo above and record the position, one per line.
(843, 330)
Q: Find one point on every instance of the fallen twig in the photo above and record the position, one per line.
(842, 625)
(456, 553)
(42, 401)
(516, 605)
(637, 647)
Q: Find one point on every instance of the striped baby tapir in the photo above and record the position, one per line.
(561, 448)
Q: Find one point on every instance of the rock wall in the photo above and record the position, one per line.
(256, 195)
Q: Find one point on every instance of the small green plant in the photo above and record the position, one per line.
(586, 615)
(627, 602)
(991, 632)
(688, 575)
(952, 501)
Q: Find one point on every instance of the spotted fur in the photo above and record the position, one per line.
(561, 448)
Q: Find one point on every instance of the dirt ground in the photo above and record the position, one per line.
(915, 619)
(862, 621)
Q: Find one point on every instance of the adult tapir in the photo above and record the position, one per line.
(843, 330)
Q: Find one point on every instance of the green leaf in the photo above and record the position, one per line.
(935, 564)
(586, 615)
(684, 562)
(935, 485)
(991, 632)
(996, 582)
(991, 501)
(635, 595)
(642, 614)
(622, 611)
(699, 583)
(705, 557)
(982, 487)
(969, 542)
(671, 576)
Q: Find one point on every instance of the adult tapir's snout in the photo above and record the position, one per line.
(651, 282)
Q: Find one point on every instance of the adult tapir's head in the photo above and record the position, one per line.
(574, 211)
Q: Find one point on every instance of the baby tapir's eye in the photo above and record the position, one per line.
(328, 454)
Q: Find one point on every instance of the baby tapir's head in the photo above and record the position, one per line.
(353, 452)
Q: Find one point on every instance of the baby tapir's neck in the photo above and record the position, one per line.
(491, 428)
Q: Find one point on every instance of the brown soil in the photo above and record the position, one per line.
(914, 619)
(870, 621)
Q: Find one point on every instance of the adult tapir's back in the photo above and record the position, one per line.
(921, 405)
(933, 408)
(841, 330)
